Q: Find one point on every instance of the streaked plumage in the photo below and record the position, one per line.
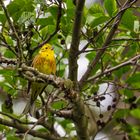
(45, 63)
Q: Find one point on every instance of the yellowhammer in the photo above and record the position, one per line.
(44, 62)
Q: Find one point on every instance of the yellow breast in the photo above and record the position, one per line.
(45, 62)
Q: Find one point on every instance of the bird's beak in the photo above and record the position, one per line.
(52, 48)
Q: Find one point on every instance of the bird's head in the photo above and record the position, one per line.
(46, 48)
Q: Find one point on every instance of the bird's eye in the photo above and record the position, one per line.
(46, 48)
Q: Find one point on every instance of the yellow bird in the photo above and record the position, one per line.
(45, 63)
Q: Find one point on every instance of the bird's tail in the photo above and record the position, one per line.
(36, 89)
(29, 108)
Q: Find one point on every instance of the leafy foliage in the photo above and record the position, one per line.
(36, 21)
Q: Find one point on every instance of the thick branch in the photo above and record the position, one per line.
(73, 66)
(7, 61)
(22, 129)
(78, 115)
(106, 43)
(81, 120)
(34, 76)
(62, 113)
(131, 61)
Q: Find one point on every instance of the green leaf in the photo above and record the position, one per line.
(29, 6)
(45, 21)
(8, 39)
(61, 69)
(121, 113)
(91, 55)
(11, 135)
(2, 128)
(2, 17)
(53, 10)
(136, 26)
(66, 26)
(96, 8)
(7, 109)
(128, 93)
(119, 73)
(70, 4)
(25, 16)
(70, 11)
(133, 49)
(134, 132)
(134, 80)
(9, 54)
(70, 15)
(99, 20)
(9, 89)
(128, 20)
(110, 6)
(17, 7)
(9, 84)
(135, 113)
(47, 30)
(59, 105)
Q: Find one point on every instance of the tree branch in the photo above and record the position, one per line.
(34, 76)
(80, 120)
(131, 61)
(6, 45)
(73, 66)
(59, 14)
(20, 56)
(62, 113)
(15, 119)
(118, 3)
(93, 39)
(126, 39)
(78, 114)
(22, 129)
(7, 61)
(106, 43)
(41, 121)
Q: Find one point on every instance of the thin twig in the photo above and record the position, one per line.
(15, 119)
(126, 39)
(13, 29)
(6, 45)
(118, 2)
(126, 63)
(114, 27)
(35, 124)
(93, 39)
(59, 14)
(7, 61)
(97, 49)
